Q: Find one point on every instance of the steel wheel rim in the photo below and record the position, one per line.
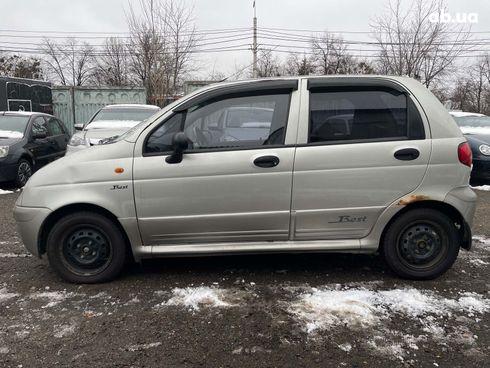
(421, 245)
(87, 251)
(24, 172)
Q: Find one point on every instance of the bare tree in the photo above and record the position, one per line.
(330, 55)
(268, 65)
(412, 43)
(112, 66)
(20, 67)
(472, 90)
(298, 65)
(71, 61)
(161, 44)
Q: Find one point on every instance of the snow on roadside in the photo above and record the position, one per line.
(133, 348)
(485, 188)
(196, 297)
(482, 239)
(52, 297)
(325, 308)
(6, 295)
(15, 255)
(5, 191)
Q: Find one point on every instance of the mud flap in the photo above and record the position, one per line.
(466, 239)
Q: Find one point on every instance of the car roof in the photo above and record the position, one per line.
(132, 106)
(23, 113)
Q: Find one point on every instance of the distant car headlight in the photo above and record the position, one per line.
(4, 151)
(77, 140)
(485, 149)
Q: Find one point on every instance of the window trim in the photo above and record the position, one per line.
(371, 87)
(260, 92)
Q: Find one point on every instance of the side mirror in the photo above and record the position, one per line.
(180, 143)
(78, 126)
(39, 135)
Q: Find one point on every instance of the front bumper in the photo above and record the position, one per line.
(8, 172)
(29, 222)
(481, 169)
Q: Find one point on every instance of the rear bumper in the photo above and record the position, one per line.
(464, 200)
(29, 222)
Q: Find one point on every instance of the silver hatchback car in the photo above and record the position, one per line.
(315, 164)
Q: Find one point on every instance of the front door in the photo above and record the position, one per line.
(234, 182)
(363, 149)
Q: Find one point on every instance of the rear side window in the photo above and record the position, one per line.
(230, 123)
(373, 115)
(55, 127)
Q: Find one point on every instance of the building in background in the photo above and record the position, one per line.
(19, 94)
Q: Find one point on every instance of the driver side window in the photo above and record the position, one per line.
(238, 122)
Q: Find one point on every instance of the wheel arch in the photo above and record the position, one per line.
(464, 230)
(53, 217)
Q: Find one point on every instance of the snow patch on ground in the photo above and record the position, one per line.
(482, 239)
(197, 297)
(5, 295)
(14, 255)
(478, 262)
(53, 297)
(345, 347)
(485, 188)
(5, 191)
(4, 350)
(65, 330)
(324, 308)
(133, 348)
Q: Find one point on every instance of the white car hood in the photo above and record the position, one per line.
(112, 124)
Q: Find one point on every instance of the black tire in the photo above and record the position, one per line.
(86, 247)
(23, 173)
(421, 244)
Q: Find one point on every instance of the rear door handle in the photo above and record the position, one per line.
(266, 161)
(407, 154)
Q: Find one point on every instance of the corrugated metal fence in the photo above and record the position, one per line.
(77, 104)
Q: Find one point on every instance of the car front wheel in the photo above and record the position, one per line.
(24, 172)
(86, 247)
(421, 244)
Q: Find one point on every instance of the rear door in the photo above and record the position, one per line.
(362, 147)
(233, 184)
(58, 136)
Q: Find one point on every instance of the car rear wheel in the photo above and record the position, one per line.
(24, 172)
(421, 244)
(86, 247)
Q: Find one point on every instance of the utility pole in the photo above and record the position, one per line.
(254, 46)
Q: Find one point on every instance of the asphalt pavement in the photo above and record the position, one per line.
(328, 310)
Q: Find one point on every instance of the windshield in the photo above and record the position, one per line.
(123, 114)
(13, 126)
(473, 121)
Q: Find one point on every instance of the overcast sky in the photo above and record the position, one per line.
(109, 16)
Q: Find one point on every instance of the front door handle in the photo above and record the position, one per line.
(266, 161)
(407, 154)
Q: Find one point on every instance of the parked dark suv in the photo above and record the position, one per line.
(28, 141)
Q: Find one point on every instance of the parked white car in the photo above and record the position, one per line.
(109, 122)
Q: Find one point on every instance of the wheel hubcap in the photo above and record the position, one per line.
(420, 245)
(87, 251)
(24, 172)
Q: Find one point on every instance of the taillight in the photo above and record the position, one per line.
(464, 154)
